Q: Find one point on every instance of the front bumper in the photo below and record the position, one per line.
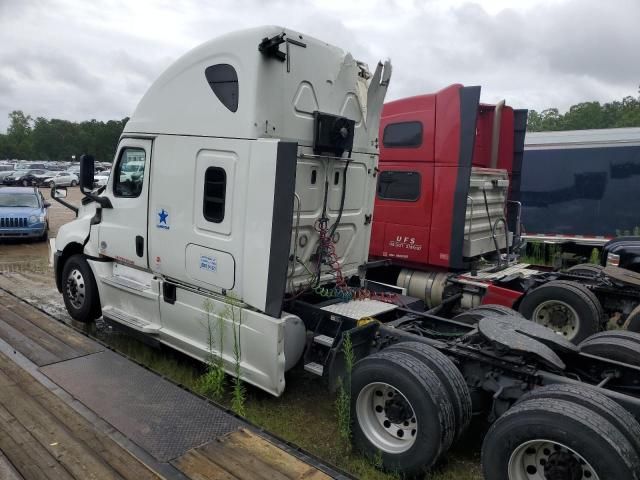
(33, 231)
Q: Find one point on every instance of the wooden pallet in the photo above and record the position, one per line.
(42, 437)
(243, 455)
(37, 336)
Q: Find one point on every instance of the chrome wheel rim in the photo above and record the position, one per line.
(386, 418)
(75, 288)
(544, 459)
(559, 316)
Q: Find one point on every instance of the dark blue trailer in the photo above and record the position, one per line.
(581, 186)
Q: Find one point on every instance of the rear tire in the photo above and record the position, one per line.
(586, 269)
(622, 334)
(451, 378)
(73, 183)
(618, 349)
(79, 290)
(393, 392)
(554, 438)
(595, 401)
(632, 323)
(473, 315)
(568, 308)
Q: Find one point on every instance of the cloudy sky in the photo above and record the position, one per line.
(83, 59)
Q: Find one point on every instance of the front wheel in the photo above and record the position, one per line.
(73, 183)
(25, 183)
(52, 184)
(79, 290)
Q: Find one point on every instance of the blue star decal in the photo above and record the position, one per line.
(163, 216)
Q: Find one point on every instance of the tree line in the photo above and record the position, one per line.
(55, 139)
(587, 115)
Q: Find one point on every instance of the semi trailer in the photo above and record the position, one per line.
(448, 218)
(579, 186)
(254, 209)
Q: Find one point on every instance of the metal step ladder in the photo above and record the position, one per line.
(329, 328)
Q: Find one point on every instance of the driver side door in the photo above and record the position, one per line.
(123, 228)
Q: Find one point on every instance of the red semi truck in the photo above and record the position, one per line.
(448, 166)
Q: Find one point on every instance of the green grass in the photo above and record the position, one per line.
(305, 414)
(540, 253)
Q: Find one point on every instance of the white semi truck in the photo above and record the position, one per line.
(259, 152)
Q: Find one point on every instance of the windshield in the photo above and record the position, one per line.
(133, 167)
(18, 200)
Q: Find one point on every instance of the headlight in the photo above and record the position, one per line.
(613, 260)
(41, 217)
(33, 219)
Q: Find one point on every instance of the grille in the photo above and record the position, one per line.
(13, 222)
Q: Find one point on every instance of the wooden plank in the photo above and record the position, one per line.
(25, 453)
(7, 472)
(72, 454)
(252, 444)
(62, 332)
(118, 458)
(198, 467)
(243, 465)
(35, 333)
(30, 349)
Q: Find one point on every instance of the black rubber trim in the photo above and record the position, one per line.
(519, 129)
(57, 275)
(281, 225)
(469, 101)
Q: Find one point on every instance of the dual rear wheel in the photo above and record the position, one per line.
(568, 308)
(409, 403)
(563, 432)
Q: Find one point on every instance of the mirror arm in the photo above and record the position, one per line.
(62, 202)
(104, 202)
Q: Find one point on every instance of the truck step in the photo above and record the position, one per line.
(124, 282)
(314, 368)
(325, 340)
(135, 323)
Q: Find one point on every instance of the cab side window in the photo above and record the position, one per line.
(215, 188)
(402, 134)
(399, 185)
(129, 174)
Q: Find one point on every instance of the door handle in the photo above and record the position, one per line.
(139, 245)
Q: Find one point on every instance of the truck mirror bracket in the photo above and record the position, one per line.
(270, 47)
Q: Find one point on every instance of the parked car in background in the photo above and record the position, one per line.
(61, 179)
(25, 178)
(101, 179)
(6, 170)
(23, 213)
(40, 178)
(31, 166)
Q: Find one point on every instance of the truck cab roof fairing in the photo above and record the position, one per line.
(182, 102)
